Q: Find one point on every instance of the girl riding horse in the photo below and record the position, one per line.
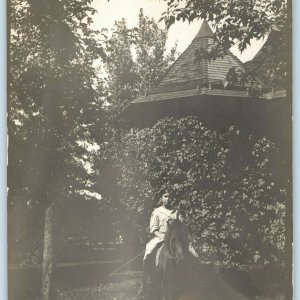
(158, 227)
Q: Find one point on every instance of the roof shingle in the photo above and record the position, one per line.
(187, 74)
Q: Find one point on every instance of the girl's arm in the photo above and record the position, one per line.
(154, 223)
(159, 234)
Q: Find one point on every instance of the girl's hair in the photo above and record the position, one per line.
(160, 194)
(163, 191)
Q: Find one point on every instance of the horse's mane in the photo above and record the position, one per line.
(176, 240)
(174, 262)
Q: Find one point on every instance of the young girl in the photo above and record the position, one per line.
(158, 227)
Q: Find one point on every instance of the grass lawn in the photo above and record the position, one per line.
(125, 289)
(122, 286)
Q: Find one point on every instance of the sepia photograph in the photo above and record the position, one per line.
(149, 149)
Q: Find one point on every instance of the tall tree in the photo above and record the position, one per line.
(53, 103)
(137, 60)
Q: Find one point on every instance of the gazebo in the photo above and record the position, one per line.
(194, 87)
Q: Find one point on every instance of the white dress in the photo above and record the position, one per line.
(159, 221)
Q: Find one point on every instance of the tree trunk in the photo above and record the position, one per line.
(48, 284)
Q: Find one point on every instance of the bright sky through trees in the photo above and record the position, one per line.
(182, 32)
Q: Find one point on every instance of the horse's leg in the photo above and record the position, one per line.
(167, 291)
(163, 291)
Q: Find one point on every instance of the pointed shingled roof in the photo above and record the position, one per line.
(186, 74)
(204, 31)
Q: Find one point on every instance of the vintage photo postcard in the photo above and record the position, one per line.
(149, 149)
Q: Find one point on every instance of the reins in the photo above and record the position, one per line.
(171, 250)
(120, 268)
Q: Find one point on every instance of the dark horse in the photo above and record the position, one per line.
(178, 275)
(174, 263)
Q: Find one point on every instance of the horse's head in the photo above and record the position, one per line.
(177, 240)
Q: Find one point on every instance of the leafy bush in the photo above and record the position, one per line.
(224, 184)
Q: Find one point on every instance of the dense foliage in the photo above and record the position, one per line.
(224, 184)
(54, 99)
